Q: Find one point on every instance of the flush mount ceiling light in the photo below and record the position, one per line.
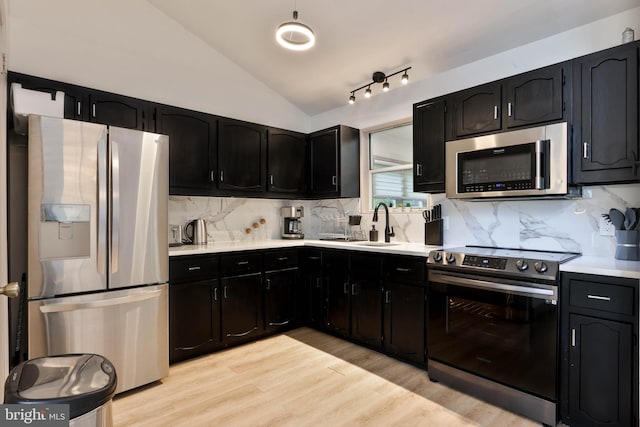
(379, 77)
(295, 35)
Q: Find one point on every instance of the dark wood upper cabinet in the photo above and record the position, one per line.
(606, 147)
(192, 149)
(477, 110)
(335, 162)
(535, 97)
(428, 146)
(117, 110)
(241, 156)
(286, 162)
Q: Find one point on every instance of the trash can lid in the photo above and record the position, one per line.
(83, 381)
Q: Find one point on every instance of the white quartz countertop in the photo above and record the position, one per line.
(585, 264)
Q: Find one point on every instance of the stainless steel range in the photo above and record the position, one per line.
(493, 325)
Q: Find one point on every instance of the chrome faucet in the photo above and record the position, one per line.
(388, 233)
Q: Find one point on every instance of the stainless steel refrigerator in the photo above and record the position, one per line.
(97, 268)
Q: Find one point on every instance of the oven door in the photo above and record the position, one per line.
(503, 330)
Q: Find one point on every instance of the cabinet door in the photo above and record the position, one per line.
(535, 97)
(117, 110)
(280, 307)
(312, 299)
(477, 110)
(428, 146)
(366, 300)
(324, 148)
(74, 105)
(600, 371)
(192, 149)
(606, 107)
(241, 159)
(404, 320)
(286, 162)
(241, 308)
(194, 323)
(337, 292)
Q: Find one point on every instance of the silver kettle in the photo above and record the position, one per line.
(196, 231)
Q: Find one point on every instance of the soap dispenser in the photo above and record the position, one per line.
(373, 234)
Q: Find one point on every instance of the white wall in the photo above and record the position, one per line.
(397, 103)
(130, 47)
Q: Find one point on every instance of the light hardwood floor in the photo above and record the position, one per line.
(302, 378)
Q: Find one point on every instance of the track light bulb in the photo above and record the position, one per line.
(367, 93)
(385, 86)
(405, 78)
(352, 99)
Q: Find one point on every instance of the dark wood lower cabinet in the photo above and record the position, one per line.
(404, 320)
(279, 300)
(337, 293)
(366, 299)
(241, 308)
(194, 319)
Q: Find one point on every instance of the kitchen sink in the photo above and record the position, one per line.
(378, 244)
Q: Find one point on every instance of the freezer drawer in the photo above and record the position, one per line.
(128, 327)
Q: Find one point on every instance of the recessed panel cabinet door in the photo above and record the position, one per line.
(600, 371)
(324, 162)
(117, 110)
(337, 292)
(477, 110)
(192, 149)
(241, 308)
(280, 304)
(366, 299)
(286, 162)
(606, 113)
(241, 159)
(428, 146)
(404, 319)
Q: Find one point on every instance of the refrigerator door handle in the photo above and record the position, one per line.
(102, 207)
(57, 308)
(115, 206)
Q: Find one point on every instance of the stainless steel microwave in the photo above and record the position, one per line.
(523, 163)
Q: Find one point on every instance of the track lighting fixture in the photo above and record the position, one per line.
(379, 77)
(295, 35)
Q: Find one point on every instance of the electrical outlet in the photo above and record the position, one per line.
(606, 228)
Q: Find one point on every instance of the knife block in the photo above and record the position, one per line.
(433, 233)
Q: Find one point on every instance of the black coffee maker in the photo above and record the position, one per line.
(292, 222)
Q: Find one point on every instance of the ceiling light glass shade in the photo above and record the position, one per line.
(385, 87)
(367, 93)
(294, 35)
(352, 99)
(405, 78)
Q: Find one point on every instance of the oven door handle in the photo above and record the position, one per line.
(522, 288)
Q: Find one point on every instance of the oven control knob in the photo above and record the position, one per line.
(437, 256)
(540, 267)
(451, 259)
(521, 265)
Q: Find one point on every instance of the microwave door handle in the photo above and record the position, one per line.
(542, 167)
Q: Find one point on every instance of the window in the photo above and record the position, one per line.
(391, 168)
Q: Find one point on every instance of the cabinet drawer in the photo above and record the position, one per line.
(598, 296)
(280, 259)
(405, 270)
(240, 263)
(188, 268)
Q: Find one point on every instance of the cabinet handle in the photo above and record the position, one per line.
(268, 284)
(509, 109)
(598, 297)
(495, 112)
(194, 268)
(387, 297)
(334, 180)
(573, 337)
(224, 292)
(418, 169)
(243, 334)
(283, 258)
(213, 176)
(79, 108)
(271, 179)
(318, 283)
(242, 262)
(403, 270)
(221, 176)
(286, 322)
(354, 289)
(215, 294)
(314, 258)
(345, 288)
(93, 110)
(585, 150)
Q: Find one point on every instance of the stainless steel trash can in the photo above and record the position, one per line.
(85, 382)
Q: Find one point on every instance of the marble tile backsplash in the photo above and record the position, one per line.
(561, 225)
